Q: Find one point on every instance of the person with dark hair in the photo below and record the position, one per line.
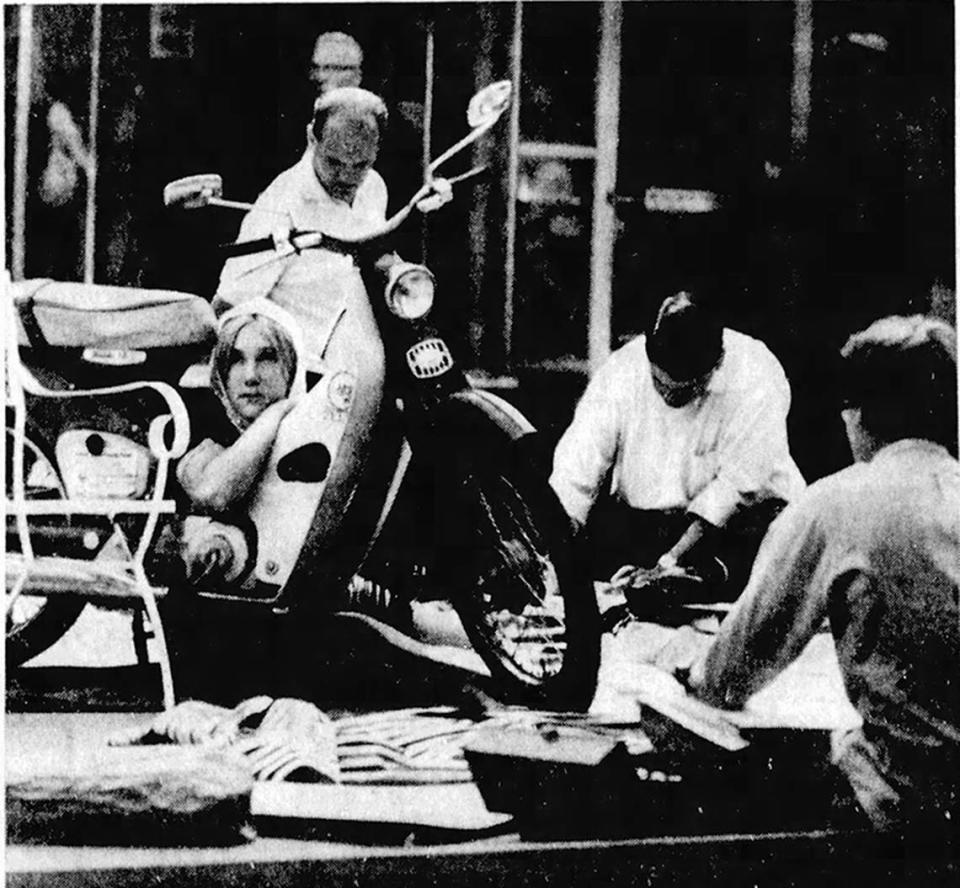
(332, 188)
(685, 429)
(876, 549)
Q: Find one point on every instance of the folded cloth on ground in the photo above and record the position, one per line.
(291, 740)
(419, 745)
(282, 739)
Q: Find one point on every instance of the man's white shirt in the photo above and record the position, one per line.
(725, 449)
(314, 284)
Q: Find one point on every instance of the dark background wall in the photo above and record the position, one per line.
(807, 246)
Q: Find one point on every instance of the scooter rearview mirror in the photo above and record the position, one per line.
(483, 112)
(193, 192)
(488, 104)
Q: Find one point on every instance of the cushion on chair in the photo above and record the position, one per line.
(74, 315)
(102, 581)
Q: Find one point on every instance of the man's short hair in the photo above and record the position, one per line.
(902, 374)
(358, 103)
(685, 339)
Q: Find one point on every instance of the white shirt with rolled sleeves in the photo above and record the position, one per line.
(726, 449)
(313, 284)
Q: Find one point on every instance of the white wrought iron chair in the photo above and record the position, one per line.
(120, 583)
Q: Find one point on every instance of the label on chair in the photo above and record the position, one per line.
(114, 357)
(102, 465)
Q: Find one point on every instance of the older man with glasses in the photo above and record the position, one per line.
(678, 453)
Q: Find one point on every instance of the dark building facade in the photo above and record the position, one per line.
(792, 161)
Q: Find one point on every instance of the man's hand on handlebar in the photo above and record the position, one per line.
(281, 236)
(441, 193)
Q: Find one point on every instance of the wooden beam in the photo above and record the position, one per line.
(90, 220)
(18, 246)
(802, 73)
(557, 150)
(427, 136)
(604, 234)
(513, 172)
(481, 264)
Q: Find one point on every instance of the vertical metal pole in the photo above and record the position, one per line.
(428, 99)
(18, 236)
(603, 239)
(89, 236)
(482, 75)
(802, 73)
(513, 171)
(427, 128)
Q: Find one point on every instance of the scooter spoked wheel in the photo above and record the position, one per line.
(34, 623)
(522, 601)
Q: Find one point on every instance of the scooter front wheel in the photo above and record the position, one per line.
(521, 598)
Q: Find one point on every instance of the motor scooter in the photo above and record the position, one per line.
(395, 468)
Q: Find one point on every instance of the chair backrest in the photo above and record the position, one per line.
(68, 314)
(19, 382)
(14, 397)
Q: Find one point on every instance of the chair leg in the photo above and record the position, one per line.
(166, 672)
(140, 638)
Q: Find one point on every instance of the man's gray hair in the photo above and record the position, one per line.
(354, 101)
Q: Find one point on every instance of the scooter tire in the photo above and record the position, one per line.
(503, 533)
(54, 617)
(528, 610)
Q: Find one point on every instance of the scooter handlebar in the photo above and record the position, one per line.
(297, 241)
(306, 240)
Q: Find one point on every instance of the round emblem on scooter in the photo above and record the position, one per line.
(340, 390)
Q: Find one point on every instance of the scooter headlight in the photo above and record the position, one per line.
(410, 291)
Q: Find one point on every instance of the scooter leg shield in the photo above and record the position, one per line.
(348, 400)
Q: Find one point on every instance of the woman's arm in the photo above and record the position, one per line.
(216, 478)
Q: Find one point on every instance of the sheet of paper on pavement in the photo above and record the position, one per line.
(445, 806)
(808, 694)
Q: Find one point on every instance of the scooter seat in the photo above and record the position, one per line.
(74, 315)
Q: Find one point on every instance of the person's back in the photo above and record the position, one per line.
(876, 549)
(893, 608)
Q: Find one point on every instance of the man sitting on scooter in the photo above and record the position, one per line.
(332, 188)
(687, 426)
(257, 372)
